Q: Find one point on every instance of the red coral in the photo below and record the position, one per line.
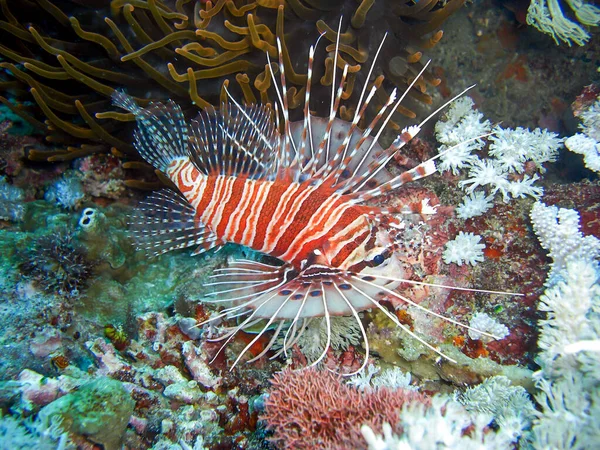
(314, 409)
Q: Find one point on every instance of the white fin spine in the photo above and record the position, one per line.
(332, 161)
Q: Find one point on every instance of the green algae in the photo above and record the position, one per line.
(99, 410)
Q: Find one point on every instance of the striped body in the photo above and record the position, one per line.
(285, 219)
(299, 192)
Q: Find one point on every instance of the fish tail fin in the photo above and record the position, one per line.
(161, 135)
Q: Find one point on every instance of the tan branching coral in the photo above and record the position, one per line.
(61, 64)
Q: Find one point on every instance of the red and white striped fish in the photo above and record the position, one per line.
(300, 195)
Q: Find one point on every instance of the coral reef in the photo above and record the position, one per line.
(15, 435)
(444, 424)
(464, 249)
(66, 191)
(483, 322)
(516, 156)
(133, 322)
(11, 201)
(558, 231)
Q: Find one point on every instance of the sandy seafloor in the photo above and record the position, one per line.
(79, 307)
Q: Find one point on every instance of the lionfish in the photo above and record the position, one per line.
(296, 191)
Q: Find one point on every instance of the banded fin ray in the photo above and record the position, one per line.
(165, 221)
(235, 141)
(162, 132)
(338, 135)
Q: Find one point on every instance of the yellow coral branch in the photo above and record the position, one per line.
(101, 132)
(55, 12)
(103, 41)
(360, 15)
(19, 32)
(212, 12)
(19, 111)
(121, 117)
(239, 12)
(302, 11)
(199, 49)
(147, 68)
(196, 99)
(174, 36)
(244, 83)
(257, 41)
(358, 56)
(225, 69)
(287, 62)
(345, 38)
(79, 132)
(227, 45)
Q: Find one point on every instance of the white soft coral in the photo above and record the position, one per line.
(465, 248)
(474, 205)
(548, 17)
(587, 143)
(514, 154)
(486, 172)
(462, 123)
(483, 322)
(513, 148)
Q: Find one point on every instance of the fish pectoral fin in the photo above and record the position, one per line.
(243, 281)
(165, 221)
(211, 242)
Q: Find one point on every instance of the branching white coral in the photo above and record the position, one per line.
(393, 378)
(525, 187)
(513, 148)
(362, 380)
(548, 17)
(587, 143)
(486, 172)
(558, 232)
(465, 248)
(568, 396)
(446, 424)
(568, 382)
(483, 322)
(461, 124)
(509, 405)
(27, 435)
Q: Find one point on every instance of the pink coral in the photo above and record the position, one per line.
(314, 409)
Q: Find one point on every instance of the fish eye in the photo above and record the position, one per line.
(378, 259)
